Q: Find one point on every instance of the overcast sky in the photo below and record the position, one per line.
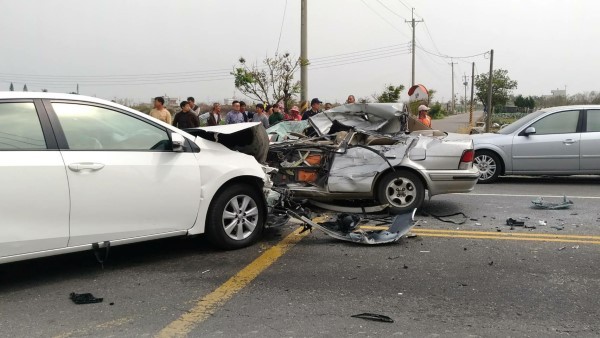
(143, 48)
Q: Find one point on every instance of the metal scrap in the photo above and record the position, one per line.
(352, 228)
(539, 203)
(374, 317)
(84, 298)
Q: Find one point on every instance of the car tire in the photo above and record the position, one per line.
(489, 166)
(401, 190)
(236, 217)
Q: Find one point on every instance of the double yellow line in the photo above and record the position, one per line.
(511, 236)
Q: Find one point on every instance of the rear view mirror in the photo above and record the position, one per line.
(529, 131)
(177, 141)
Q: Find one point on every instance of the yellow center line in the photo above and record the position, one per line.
(210, 303)
(510, 238)
(504, 234)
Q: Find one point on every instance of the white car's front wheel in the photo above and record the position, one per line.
(236, 217)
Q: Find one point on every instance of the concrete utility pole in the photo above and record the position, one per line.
(472, 88)
(465, 83)
(488, 120)
(453, 97)
(303, 52)
(413, 23)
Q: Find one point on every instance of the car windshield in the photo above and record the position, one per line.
(511, 128)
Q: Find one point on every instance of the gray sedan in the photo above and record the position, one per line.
(553, 141)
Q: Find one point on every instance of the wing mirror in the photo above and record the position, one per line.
(529, 131)
(177, 142)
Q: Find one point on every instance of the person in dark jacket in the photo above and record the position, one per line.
(186, 118)
(214, 118)
(315, 108)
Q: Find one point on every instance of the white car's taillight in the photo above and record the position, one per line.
(466, 160)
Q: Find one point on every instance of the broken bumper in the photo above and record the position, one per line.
(450, 181)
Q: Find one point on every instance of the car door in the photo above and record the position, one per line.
(590, 143)
(124, 179)
(34, 200)
(552, 149)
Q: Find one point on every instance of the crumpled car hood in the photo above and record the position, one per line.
(375, 117)
(249, 138)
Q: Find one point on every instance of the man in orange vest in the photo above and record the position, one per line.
(423, 117)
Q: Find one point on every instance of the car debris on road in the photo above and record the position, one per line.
(539, 203)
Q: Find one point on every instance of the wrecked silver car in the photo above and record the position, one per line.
(372, 151)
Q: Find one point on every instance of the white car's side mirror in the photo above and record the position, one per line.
(529, 131)
(177, 141)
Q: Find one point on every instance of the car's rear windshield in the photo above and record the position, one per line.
(511, 128)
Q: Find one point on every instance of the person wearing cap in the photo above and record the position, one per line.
(294, 114)
(276, 116)
(260, 116)
(423, 117)
(315, 108)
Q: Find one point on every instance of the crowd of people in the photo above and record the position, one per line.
(269, 115)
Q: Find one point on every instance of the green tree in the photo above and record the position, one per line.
(25, 88)
(390, 94)
(530, 102)
(502, 86)
(12, 87)
(520, 101)
(269, 83)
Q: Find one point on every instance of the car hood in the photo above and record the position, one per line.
(249, 138)
(374, 117)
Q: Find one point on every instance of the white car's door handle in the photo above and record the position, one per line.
(86, 166)
(569, 141)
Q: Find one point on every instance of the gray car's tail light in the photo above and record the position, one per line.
(466, 160)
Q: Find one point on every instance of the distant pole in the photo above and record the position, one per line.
(78, 88)
(413, 23)
(303, 52)
(472, 87)
(465, 83)
(453, 95)
(488, 121)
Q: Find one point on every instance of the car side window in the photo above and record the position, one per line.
(20, 127)
(96, 128)
(558, 123)
(593, 121)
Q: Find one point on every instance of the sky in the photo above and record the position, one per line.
(139, 49)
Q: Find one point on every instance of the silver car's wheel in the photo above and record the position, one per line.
(236, 216)
(489, 166)
(240, 217)
(402, 190)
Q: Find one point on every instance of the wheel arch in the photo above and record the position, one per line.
(256, 182)
(497, 153)
(382, 174)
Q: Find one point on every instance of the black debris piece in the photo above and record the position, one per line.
(111, 303)
(84, 298)
(557, 227)
(514, 222)
(405, 266)
(491, 263)
(374, 317)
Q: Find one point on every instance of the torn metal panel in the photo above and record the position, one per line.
(346, 227)
(539, 203)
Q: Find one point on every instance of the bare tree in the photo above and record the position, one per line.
(271, 82)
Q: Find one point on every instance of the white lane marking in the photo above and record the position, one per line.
(538, 195)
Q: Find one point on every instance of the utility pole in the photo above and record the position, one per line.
(413, 23)
(453, 97)
(472, 88)
(488, 120)
(465, 83)
(303, 52)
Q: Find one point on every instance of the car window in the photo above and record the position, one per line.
(593, 121)
(96, 128)
(20, 127)
(511, 128)
(558, 123)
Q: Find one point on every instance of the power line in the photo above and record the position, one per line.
(449, 56)
(431, 38)
(390, 10)
(281, 28)
(405, 5)
(382, 17)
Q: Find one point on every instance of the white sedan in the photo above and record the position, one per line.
(78, 173)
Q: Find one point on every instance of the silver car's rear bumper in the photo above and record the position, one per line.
(450, 181)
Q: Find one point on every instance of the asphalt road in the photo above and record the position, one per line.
(454, 123)
(480, 278)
